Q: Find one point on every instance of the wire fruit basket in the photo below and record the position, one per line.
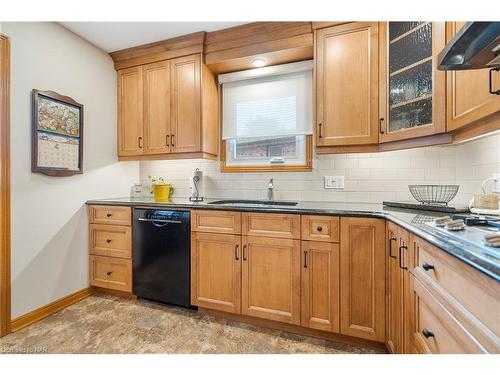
(434, 194)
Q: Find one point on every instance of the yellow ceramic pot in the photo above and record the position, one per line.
(161, 192)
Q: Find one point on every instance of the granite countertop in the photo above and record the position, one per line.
(411, 220)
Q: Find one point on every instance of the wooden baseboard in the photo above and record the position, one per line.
(44, 311)
(296, 329)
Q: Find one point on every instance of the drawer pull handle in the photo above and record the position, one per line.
(109, 273)
(401, 257)
(426, 266)
(305, 259)
(427, 333)
(108, 240)
(319, 228)
(493, 92)
(380, 122)
(109, 215)
(390, 247)
(236, 252)
(244, 252)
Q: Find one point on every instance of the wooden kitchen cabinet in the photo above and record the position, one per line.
(412, 91)
(347, 84)
(186, 99)
(362, 277)
(168, 110)
(271, 278)
(397, 290)
(434, 329)
(216, 271)
(468, 97)
(130, 112)
(157, 130)
(320, 293)
(110, 247)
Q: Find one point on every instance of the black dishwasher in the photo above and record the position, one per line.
(161, 255)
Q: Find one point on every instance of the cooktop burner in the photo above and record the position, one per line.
(476, 227)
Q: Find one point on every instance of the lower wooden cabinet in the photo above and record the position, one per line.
(434, 329)
(111, 273)
(320, 292)
(397, 290)
(216, 271)
(362, 277)
(271, 278)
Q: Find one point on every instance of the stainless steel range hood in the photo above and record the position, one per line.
(476, 46)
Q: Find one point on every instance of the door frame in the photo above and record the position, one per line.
(5, 186)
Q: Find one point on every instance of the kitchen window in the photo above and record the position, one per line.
(267, 119)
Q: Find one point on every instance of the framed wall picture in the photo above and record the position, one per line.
(57, 134)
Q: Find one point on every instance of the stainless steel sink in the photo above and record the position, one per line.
(241, 202)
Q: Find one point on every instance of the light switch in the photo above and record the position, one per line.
(334, 182)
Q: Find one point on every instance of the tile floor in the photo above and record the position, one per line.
(107, 324)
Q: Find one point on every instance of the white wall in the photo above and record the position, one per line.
(368, 177)
(49, 219)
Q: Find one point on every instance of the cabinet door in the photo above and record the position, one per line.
(320, 293)
(157, 108)
(271, 279)
(362, 278)
(394, 334)
(468, 96)
(130, 112)
(216, 271)
(412, 90)
(186, 103)
(347, 84)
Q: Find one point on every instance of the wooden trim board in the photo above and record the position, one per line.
(5, 186)
(53, 307)
(295, 329)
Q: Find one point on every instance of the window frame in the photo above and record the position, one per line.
(265, 168)
(307, 167)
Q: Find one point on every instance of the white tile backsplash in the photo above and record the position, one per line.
(371, 177)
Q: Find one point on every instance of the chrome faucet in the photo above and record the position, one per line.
(270, 190)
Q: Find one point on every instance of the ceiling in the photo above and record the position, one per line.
(113, 36)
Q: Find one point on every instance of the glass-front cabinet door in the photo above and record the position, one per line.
(412, 90)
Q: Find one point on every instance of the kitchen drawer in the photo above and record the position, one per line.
(111, 240)
(111, 273)
(270, 225)
(459, 283)
(228, 222)
(117, 215)
(320, 228)
(434, 329)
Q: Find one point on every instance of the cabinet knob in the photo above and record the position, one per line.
(109, 273)
(108, 240)
(319, 228)
(427, 333)
(109, 215)
(426, 266)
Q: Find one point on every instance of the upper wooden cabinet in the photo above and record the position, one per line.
(347, 84)
(469, 97)
(157, 128)
(412, 90)
(167, 110)
(130, 112)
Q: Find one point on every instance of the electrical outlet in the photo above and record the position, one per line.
(496, 185)
(334, 182)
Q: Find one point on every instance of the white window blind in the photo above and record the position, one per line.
(268, 105)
